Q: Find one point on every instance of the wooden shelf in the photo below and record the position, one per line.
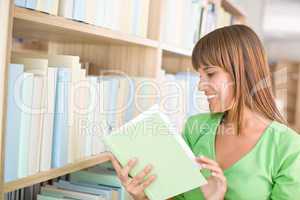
(54, 173)
(177, 51)
(34, 24)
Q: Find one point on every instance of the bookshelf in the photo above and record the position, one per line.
(53, 173)
(42, 33)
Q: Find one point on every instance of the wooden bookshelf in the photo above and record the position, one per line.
(33, 24)
(53, 173)
(177, 50)
(134, 55)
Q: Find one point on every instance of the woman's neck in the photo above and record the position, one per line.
(251, 121)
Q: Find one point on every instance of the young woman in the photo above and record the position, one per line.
(244, 146)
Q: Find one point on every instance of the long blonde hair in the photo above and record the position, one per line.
(239, 51)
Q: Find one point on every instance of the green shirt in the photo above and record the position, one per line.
(270, 170)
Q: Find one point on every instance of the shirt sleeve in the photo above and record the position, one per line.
(287, 180)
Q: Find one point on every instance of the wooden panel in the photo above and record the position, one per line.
(34, 24)
(53, 173)
(176, 51)
(131, 60)
(173, 64)
(5, 46)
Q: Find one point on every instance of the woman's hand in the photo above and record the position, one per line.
(134, 186)
(216, 187)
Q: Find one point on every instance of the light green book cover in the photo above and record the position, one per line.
(150, 137)
(44, 197)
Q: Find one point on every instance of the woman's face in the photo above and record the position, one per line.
(218, 87)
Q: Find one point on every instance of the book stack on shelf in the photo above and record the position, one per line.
(57, 114)
(54, 96)
(128, 16)
(187, 21)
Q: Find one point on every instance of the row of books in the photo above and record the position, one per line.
(129, 16)
(58, 114)
(99, 182)
(185, 22)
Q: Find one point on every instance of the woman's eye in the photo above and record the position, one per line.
(210, 73)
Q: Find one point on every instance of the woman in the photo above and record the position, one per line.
(244, 147)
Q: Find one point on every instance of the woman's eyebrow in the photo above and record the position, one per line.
(208, 67)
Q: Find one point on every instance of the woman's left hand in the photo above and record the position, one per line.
(216, 187)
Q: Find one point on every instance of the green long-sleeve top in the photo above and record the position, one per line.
(270, 170)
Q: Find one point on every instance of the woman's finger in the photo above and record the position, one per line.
(211, 167)
(125, 171)
(116, 165)
(147, 182)
(140, 177)
(219, 176)
(206, 160)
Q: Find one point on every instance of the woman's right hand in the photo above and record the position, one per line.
(134, 186)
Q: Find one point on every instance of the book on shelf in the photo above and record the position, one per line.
(101, 177)
(13, 132)
(67, 112)
(47, 6)
(150, 137)
(128, 16)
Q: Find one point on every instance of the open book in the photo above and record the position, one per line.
(150, 137)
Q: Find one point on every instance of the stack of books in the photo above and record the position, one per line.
(128, 16)
(58, 114)
(47, 6)
(185, 22)
(98, 183)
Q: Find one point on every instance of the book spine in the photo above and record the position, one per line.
(13, 125)
(20, 3)
(32, 4)
(79, 10)
(61, 118)
(66, 8)
(46, 150)
(27, 97)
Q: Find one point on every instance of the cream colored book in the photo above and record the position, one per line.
(143, 25)
(66, 8)
(48, 121)
(91, 11)
(39, 68)
(48, 6)
(72, 62)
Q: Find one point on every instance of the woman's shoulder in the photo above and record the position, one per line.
(199, 125)
(285, 135)
(286, 142)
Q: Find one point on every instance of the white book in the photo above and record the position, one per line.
(39, 68)
(91, 11)
(71, 62)
(48, 6)
(48, 122)
(100, 12)
(91, 106)
(26, 98)
(35, 138)
(66, 8)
